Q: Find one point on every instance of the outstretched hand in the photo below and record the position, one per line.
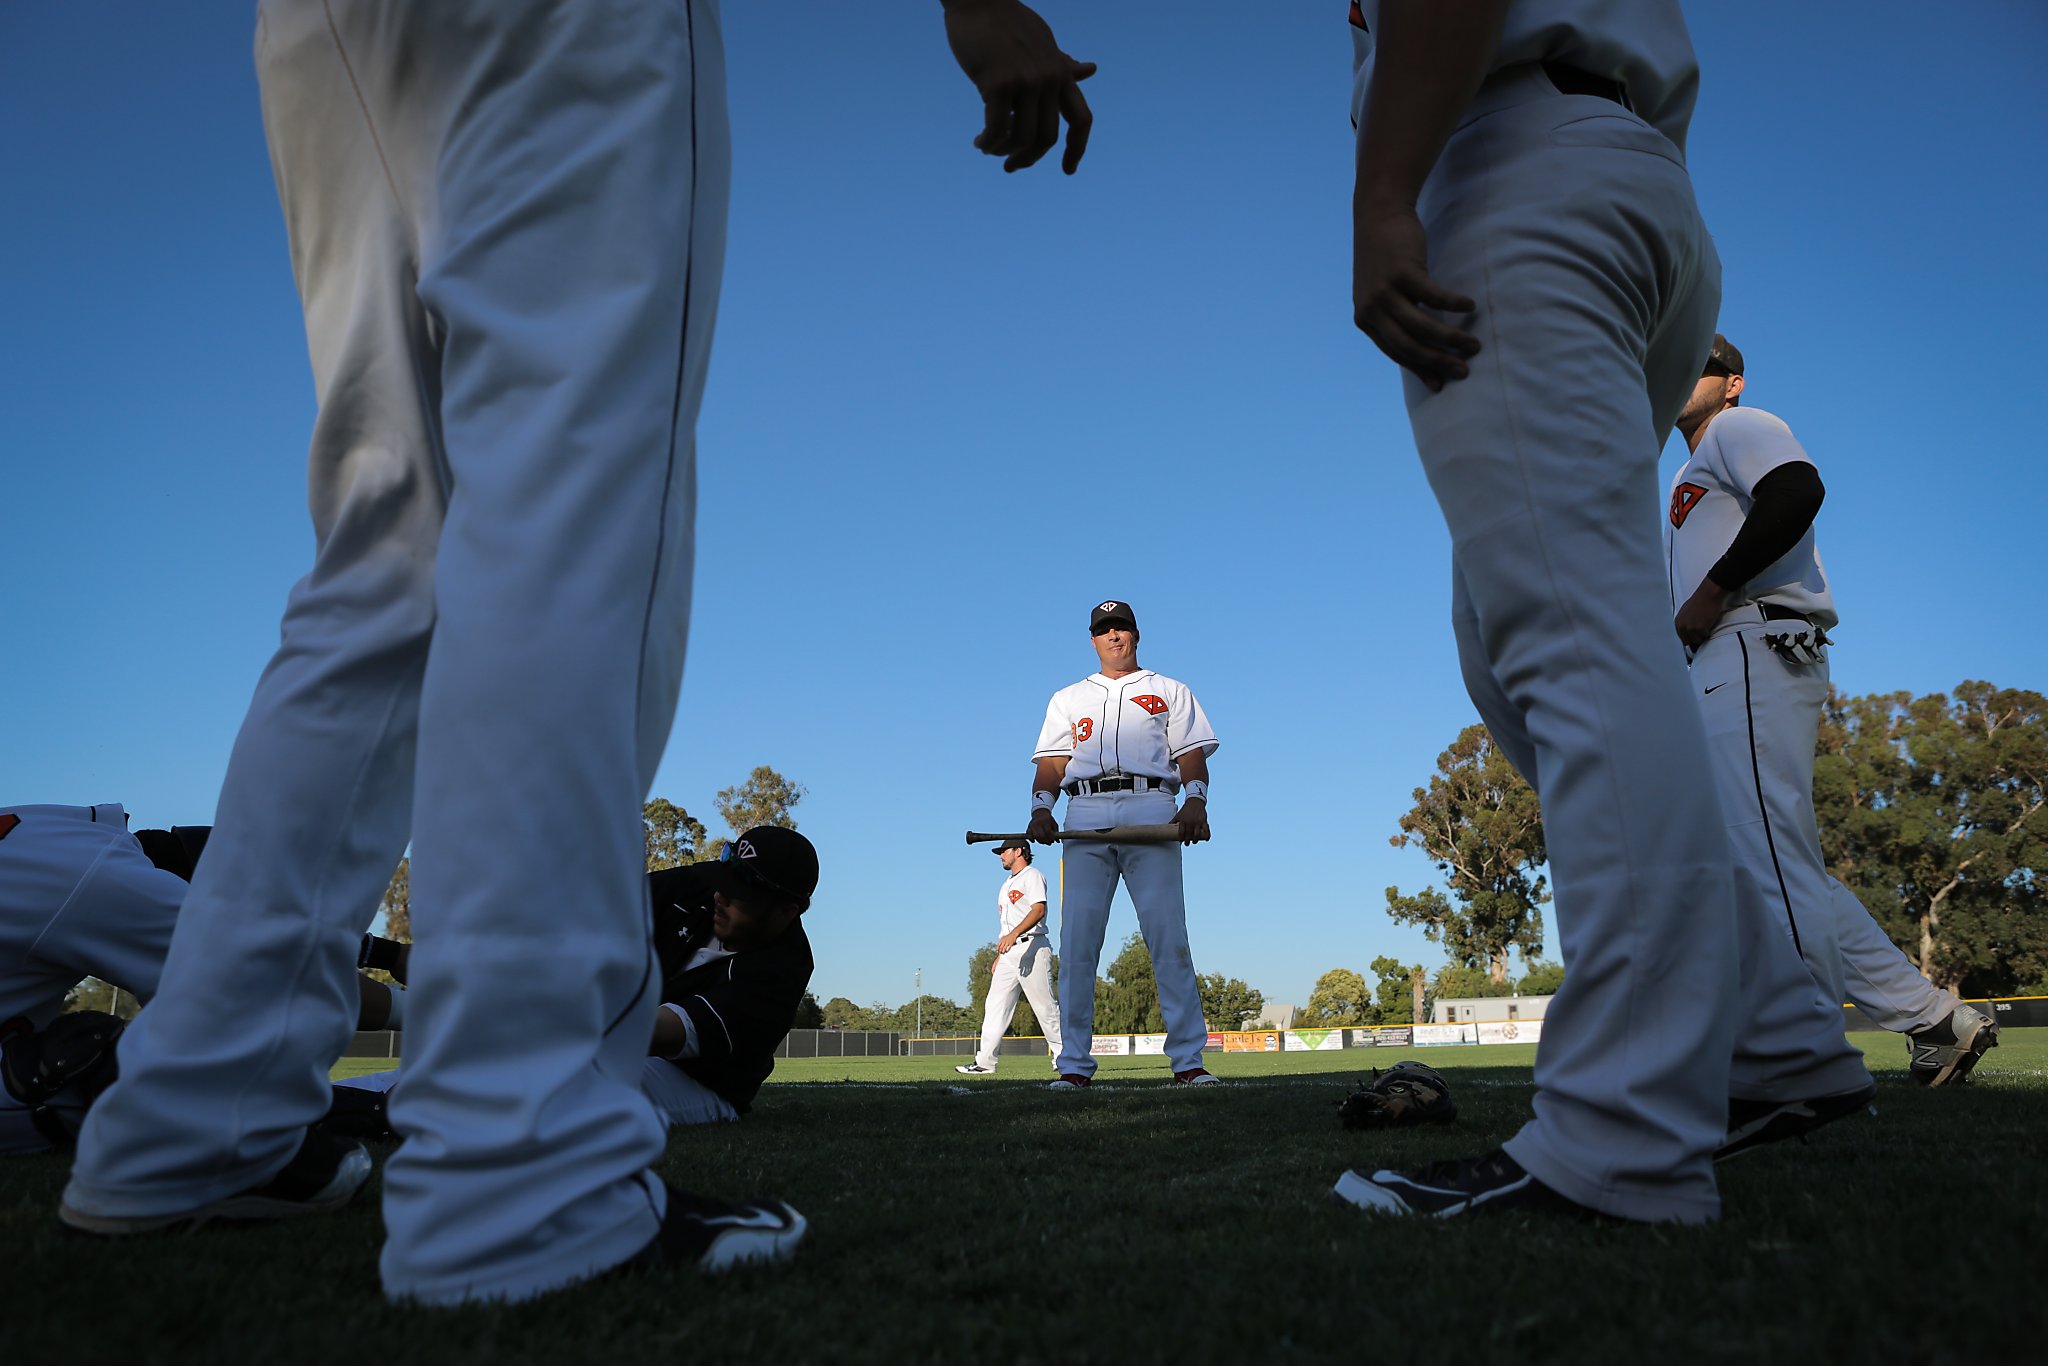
(1027, 84)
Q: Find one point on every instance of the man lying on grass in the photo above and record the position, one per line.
(735, 964)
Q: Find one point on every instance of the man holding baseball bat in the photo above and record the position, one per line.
(1120, 744)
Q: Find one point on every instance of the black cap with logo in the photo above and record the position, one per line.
(1111, 613)
(1025, 845)
(773, 860)
(1724, 356)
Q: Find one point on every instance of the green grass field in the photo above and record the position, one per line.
(984, 1221)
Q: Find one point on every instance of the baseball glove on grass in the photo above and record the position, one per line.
(1406, 1093)
(73, 1054)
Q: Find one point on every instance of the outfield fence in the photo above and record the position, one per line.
(2017, 1012)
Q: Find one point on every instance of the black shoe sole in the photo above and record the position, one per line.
(1792, 1119)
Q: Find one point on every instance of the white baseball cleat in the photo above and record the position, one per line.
(975, 1069)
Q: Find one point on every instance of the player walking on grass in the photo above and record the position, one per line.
(1120, 744)
(1754, 608)
(507, 224)
(1527, 247)
(1023, 961)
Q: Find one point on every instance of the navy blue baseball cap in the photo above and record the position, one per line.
(771, 859)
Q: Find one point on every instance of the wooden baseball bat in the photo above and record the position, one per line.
(1115, 834)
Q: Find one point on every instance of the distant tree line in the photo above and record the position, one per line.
(1126, 1001)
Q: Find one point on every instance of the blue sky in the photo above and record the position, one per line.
(950, 410)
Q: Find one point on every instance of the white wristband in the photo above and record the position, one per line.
(1042, 801)
(689, 1046)
(1194, 789)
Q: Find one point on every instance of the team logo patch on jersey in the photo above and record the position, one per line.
(7, 823)
(1684, 499)
(1015, 896)
(1154, 705)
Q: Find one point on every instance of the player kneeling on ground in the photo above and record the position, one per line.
(735, 963)
(83, 896)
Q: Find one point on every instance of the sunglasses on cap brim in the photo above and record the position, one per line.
(728, 854)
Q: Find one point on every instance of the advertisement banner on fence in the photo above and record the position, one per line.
(1311, 1040)
(1392, 1037)
(1444, 1033)
(1254, 1041)
(1215, 1041)
(1111, 1045)
(1511, 1031)
(1149, 1043)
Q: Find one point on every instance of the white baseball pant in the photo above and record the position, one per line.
(506, 221)
(680, 1098)
(1151, 874)
(1762, 713)
(78, 898)
(1025, 969)
(1572, 224)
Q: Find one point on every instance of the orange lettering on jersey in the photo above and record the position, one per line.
(7, 823)
(1684, 499)
(1083, 728)
(1015, 896)
(1154, 705)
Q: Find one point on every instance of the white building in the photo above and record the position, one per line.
(1488, 1009)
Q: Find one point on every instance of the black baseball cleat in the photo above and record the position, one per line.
(1753, 1123)
(1494, 1183)
(323, 1175)
(718, 1235)
(358, 1112)
(1945, 1051)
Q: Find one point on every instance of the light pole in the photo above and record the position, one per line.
(919, 988)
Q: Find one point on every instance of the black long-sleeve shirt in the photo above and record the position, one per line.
(742, 1005)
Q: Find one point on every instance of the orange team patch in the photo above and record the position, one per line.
(1015, 896)
(1154, 705)
(1684, 499)
(7, 823)
(1083, 728)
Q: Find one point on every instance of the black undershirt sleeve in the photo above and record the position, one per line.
(1782, 506)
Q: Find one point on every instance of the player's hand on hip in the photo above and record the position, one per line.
(1700, 614)
(1193, 820)
(1390, 286)
(1027, 84)
(1043, 828)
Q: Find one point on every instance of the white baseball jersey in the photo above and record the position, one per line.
(1641, 43)
(1711, 498)
(1019, 893)
(1136, 725)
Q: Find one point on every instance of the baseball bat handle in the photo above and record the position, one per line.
(1115, 834)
